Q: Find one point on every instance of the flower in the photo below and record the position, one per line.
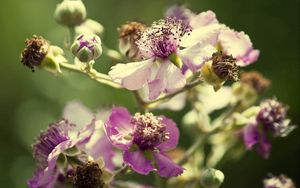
(39, 53)
(179, 12)
(87, 47)
(144, 138)
(231, 42)
(65, 147)
(271, 118)
(159, 46)
(70, 13)
(128, 34)
(281, 181)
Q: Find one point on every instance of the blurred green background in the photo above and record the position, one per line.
(29, 101)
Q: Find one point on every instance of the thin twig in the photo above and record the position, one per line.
(94, 75)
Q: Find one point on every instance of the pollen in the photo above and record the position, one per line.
(149, 131)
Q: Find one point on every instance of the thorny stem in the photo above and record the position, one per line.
(195, 146)
(93, 74)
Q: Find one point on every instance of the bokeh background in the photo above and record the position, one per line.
(29, 101)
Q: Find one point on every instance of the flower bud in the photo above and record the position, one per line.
(87, 47)
(211, 178)
(219, 69)
(70, 13)
(38, 53)
(128, 34)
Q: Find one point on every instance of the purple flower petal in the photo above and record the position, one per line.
(239, 45)
(167, 168)
(264, 147)
(138, 162)
(251, 136)
(119, 129)
(132, 76)
(173, 131)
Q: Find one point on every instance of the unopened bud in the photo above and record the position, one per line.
(211, 178)
(70, 13)
(128, 34)
(87, 47)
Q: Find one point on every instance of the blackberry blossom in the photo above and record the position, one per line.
(144, 140)
(163, 59)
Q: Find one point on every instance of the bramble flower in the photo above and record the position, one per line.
(159, 46)
(39, 53)
(180, 12)
(281, 181)
(128, 34)
(64, 148)
(70, 13)
(144, 138)
(271, 119)
(227, 40)
(87, 47)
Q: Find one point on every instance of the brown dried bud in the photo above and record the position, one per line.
(255, 80)
(88, 175)
(225, 67)
(35, 51)
(128, 34)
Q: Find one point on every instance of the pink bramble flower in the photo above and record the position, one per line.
(229, 41)
(66, 152)
(144, 138)
(160, 70)
(271, 119)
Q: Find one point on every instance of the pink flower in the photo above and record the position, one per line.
(144, 140)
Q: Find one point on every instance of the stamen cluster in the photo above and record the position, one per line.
(35, 51)
(257, 81)
(47, 141)
(162, 38)
(149, 131)
(224, 66)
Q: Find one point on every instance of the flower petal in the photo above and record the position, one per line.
(205, 35)
(132, 76)
(118, 128)
(251, 136)
(168, 79)
(78, 114)
(194, 56)
(138, 162)
(204, 19)
(239, 45)
(167, 168)
(264, 147)
(173, 131)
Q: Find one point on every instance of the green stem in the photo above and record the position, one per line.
(196, 145)
(93, 74)
(121, 171)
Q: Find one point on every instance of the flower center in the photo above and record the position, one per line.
(47, 141)
(256, 81)
(162, 38)
(149, 131)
